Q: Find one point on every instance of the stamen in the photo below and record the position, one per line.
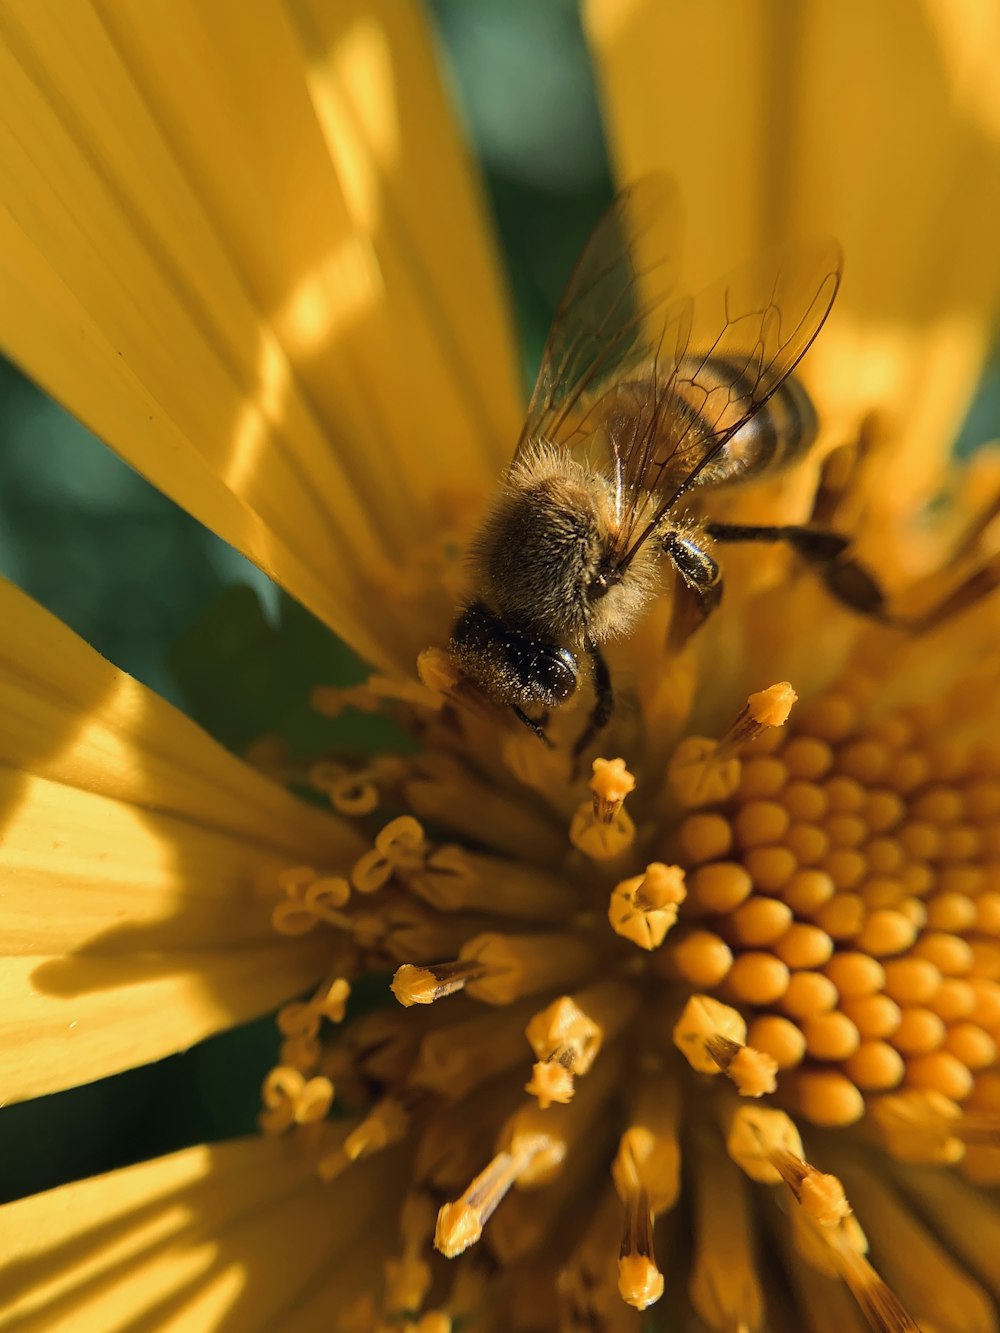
(423, 985)
(949, 1300)
(566, 1038)
(610, 784)
(640, 1282)
(757, 1136)
(711, 1036)
(646, 1172)
(876, 1300)
(763, 710)
(532, 1151)
(601, 828)
(644, 908)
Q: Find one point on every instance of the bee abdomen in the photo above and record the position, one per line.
(777, 434)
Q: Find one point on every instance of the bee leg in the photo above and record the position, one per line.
(697, 594)
(604, 703)
(825, 553)
(537, 727)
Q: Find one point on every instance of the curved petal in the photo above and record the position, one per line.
(242, 243)
(879, 125)
(238, 1235)
(134, 852)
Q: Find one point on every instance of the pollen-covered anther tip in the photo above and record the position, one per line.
(551, 1082)
(566, 1042)
(460, 1224)
(642, 909)
(423, 985)
(610, 784)
(457, 1228)
(822, 1196)
(640, 1282)
(763, 709)
(700, 773)
(753, 1072)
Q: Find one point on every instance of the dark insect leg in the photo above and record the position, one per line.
(826, 555)
(537, 727)
(699, 592)
(604, 701)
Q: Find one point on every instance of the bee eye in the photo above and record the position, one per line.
(556, 671)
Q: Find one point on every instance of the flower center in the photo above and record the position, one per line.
(807, 914)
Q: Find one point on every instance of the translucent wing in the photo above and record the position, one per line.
(601, 329)
(649, 384)
(714, 365)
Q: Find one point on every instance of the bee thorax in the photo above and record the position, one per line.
(544, 557)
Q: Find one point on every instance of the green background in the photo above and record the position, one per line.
(167, 601)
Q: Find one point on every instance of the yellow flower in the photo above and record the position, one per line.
(763, 946)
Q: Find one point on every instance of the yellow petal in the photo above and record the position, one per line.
(133, 856)
(236, 1235)
(880, 126)
(243, 245)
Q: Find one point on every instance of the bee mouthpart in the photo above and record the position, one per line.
(604, 582)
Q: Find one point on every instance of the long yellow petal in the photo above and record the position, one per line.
(233, 1235)
(243, 245)
(880, 125)
(133, 859)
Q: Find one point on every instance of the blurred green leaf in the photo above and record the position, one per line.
(244, 676)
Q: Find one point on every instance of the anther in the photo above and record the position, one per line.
(644, 908)
(601, 828)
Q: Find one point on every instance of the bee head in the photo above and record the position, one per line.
(512, 667)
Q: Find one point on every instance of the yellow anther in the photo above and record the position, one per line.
(610, 784)
(644, 908)
(551, 1082)
(564, 1032)
(757, 1136)
(703, 1021)
(699, 775)
(423, 985)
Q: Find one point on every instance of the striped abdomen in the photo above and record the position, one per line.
(778, 433)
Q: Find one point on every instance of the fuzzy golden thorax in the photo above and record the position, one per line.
(540, 554)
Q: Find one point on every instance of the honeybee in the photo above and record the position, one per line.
(645, 399)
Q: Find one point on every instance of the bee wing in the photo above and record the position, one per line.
(715, 363)
(600, 333)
